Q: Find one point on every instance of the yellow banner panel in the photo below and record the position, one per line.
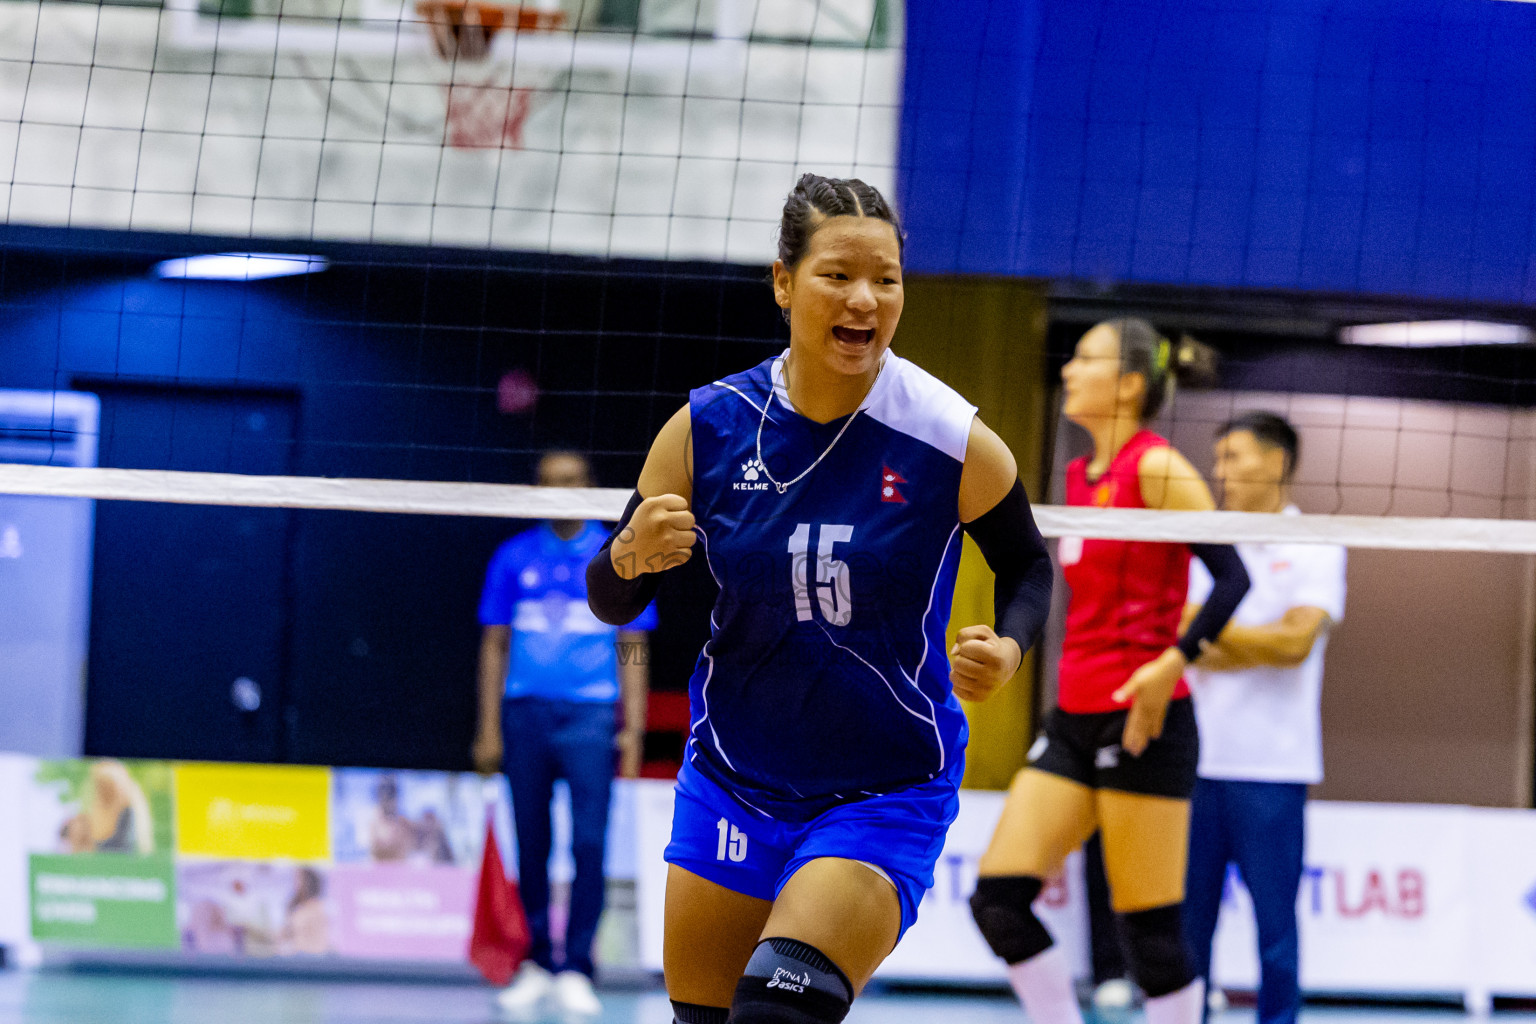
(253, 812)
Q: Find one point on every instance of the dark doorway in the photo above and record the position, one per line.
(189, 603)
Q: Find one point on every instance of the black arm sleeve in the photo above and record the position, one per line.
(615, 600)
(1015, 551)
(1229, 582)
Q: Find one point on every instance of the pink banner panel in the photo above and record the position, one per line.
(397, 912)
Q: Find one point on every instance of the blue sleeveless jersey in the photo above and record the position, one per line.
(825, 679)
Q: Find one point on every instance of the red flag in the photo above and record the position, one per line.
(500, 939)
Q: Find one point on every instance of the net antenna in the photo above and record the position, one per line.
(462, 30)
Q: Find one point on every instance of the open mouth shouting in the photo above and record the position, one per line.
(853, 336)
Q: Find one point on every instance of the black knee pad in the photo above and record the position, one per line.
(1160, 961)
(693, 1013)
(791, 982)
(1004, 911)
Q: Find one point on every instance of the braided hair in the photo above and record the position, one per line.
(814, 199)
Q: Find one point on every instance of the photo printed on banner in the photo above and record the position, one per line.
(99, 834)
(413, 817)
(243, 908)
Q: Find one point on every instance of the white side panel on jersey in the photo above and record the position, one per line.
(911, 400)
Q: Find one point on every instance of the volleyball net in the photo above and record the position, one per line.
(297, 293)
(523, 501)
(351, 603)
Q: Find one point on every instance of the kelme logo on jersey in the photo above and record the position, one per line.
(788, 980)
(751, 477)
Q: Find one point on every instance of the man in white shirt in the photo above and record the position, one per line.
(1258, 691)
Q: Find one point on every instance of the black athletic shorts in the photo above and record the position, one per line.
(1086, 748)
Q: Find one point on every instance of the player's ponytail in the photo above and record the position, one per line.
(1162, 363)
(1194, 363)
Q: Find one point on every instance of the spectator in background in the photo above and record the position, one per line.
(1258, 692)
(551, 675)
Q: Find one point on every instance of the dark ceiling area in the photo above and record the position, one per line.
(1288, 341)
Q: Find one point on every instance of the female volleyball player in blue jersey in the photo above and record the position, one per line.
(827, 489)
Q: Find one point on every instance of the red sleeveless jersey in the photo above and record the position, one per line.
(1127, 596)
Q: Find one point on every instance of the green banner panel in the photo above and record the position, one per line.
(104, 900)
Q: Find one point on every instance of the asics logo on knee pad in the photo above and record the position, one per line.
(791, 982)
(788, 980)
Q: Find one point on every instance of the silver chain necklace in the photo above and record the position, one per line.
(772, 391)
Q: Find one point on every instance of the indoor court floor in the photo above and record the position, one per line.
(144, 997)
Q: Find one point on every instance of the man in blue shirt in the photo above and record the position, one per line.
(551, 677)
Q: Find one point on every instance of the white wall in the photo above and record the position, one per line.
(149, 119)
(1384, 456)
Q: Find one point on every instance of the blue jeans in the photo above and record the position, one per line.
(545, 740)
(1260, 827)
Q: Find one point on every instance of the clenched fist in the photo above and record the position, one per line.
(659, 535)
(981, 661)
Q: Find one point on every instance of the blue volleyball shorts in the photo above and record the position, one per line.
(899, 835)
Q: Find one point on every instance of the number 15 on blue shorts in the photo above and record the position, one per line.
(899, 835)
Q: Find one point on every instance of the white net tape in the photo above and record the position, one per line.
(519, 501)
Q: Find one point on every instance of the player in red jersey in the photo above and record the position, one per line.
(1119, 753)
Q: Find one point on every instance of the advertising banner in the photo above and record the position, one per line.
(944, 945)
(271, 861)
(1503, 867)
(407, 847)
(104, 899)
(99, 805)
(1385, 903)
(403, 912)
(16, 774)
(423, 819)
(653, 816)
(99, 836)
(248, 908)
(255, 812)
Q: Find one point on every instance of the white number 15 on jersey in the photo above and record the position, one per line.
(834, 590)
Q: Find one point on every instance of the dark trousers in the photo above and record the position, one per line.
(1260, 827)
(547, 740)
